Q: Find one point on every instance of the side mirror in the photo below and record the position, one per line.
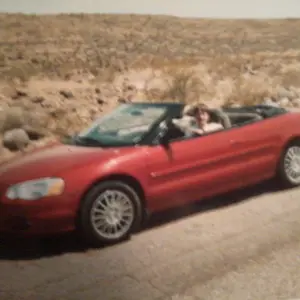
(164, 140)
(163, 137)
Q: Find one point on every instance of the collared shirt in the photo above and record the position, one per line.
(188, 124)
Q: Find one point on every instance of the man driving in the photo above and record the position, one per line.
(203, 120)
(196, 119)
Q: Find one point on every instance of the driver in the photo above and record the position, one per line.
(196, 119)
(203, 120)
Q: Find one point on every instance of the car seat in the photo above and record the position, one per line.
(219, 116)
(239, 118)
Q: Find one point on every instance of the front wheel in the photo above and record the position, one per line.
(109, 213)
(289, 167)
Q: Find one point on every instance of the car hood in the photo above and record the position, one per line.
(49, 161)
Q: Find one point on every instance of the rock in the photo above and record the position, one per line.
(249, 69)
(14, 118)
(122, 100)
(90, 77)
(270, 102)
(66, 94)
(47, 104)
(296, 91)
(236, 105)
(34, 60)
(100, 101)
(93, 112)
(229, 103)
(284, 102)
(68, 76)
(130, 97)
(2, 98)
(97, 91)
(2, 120)
(34, 133)
(15, 139)
(57, 113)
(38, 99)
(296, 102)
(19, 93)
(130, 87)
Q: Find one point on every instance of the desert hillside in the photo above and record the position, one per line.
(57, 73)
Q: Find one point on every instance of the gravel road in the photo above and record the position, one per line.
(242, 246)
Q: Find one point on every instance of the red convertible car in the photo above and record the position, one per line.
(106, 180)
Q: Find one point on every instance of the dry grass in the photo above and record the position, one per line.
(104, 58)
(58, 45)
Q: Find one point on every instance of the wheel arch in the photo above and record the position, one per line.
(125, 178)
(291, 140)
(287, 143)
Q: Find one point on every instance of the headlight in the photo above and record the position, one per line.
(36, 189)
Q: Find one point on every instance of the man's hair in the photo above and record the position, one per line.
(202, 107)
(193, 109)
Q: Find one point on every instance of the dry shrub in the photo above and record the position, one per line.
(63, 123)
(22, 72)
(19, 117)
(55, 45)
(246, 97)
(183, 85)
(250, 90)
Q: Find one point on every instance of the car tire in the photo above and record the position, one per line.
(288, 174)
(110, 212)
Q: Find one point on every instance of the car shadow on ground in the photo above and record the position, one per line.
(222, 201)
(29, 249)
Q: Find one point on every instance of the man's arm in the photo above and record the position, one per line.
(197, 131)
(211, 127)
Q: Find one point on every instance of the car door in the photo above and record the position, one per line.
(190, 169)
(256, 145)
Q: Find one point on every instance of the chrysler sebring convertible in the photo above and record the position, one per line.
(105, 181)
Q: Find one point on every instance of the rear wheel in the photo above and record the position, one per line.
(110, 212)
(289, 168)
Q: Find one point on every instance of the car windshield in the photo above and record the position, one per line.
(125, 125)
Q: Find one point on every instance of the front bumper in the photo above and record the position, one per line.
(47, 216)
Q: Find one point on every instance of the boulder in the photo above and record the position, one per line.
(15, 139)
(296, 102)
(285, 101)
(14, 118)
(270, 102)
(35, 133)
